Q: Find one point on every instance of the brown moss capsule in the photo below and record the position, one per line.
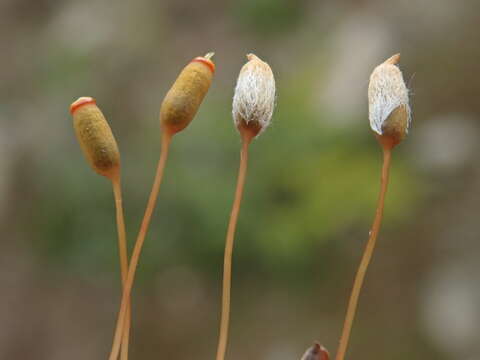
(95, 137)
(394, 128)
(316, 352)
(185, 96)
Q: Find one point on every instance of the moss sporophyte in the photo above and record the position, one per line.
(252, 109)
(100, 148)
(390, 117)
(177, 111)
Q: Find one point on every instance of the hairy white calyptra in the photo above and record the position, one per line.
(254, 97)
(386, 92)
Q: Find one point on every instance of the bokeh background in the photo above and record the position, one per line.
(311, 189)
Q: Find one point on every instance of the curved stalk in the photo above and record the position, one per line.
(121, 320)
(367, 256)
(123, 253)
(227, 262)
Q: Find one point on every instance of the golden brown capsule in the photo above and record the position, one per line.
(185, 96)
(95, 137)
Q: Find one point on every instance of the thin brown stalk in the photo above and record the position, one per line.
(123, 253)
(367, 256)
(227, 264)
(121, 320)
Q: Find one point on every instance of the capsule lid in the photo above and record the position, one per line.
(205, 61)
(81, 101)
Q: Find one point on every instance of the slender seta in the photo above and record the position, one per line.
(390, 117)
(252, 111)
(101, 151)
(177, 111)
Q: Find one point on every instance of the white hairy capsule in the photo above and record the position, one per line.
(254, 97)
(388, 106)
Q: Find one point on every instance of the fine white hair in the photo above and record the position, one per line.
(386, 92)
(254, 97)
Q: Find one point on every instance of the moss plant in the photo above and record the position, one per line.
(101, 150)
(178, 109)
(390, 116)
(252, 110)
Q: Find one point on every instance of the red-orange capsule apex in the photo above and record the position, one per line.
(81, 101)
(206, 60)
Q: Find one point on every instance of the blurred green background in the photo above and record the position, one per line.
(311, 190)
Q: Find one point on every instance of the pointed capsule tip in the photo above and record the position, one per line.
(209, 55)
(252, 56)
(394, 60)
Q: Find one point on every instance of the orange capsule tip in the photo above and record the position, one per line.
(207, 62)
(81, 101)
